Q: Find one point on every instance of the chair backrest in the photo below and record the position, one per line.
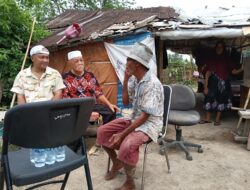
(183, 98)
(167, 101)
(48, 123)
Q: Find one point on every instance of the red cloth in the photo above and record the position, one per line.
(129, 148)
(221, 65)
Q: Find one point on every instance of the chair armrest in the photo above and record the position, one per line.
(236, 108)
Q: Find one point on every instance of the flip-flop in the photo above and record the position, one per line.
(204, 122)
(216, 123)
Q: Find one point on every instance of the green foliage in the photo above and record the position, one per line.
(44, 10)
(246, 52)
(15, 28)
(101, 4)
(177, 70)
(176, 60)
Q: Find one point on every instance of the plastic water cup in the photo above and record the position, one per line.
(32, 155)
(50, 156)
(127, 113)
(60, 153)
(40, 157)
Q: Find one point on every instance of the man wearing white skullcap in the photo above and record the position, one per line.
(38, 82)
(81, 83)
(145, 122)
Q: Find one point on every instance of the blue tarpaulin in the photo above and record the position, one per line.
(128, 40)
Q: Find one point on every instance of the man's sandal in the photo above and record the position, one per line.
(216, 123)
(204, 122)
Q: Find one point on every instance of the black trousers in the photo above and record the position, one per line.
(106, 113)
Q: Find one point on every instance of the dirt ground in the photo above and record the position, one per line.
(224, 164)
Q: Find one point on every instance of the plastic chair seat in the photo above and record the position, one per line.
(46, 124)
(183, 118)
(244, 114)
(24, 172)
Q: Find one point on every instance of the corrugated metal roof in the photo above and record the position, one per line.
(218, 22)
(98, 24)
(163, 21)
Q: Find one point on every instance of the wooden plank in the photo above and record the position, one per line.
(195, 26)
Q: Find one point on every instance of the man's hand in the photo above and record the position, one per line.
(114, 108)
(116, 140)
(57, 95)
(127, 75)
(105, 101)
(237, 71)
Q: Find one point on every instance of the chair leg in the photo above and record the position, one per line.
(88, 176)
(1, 177)
(192, 145)
(246, 129)
(239, 122)
(236, 131)
(44, 183)
(66, 177)
(144, 166)
(166, 154)
(183, 148)
(86, 165)
(108, 167)
(172, 144)
(6, 171)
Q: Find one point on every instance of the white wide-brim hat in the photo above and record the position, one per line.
(39, 49)
(74, 54)
(141, 53)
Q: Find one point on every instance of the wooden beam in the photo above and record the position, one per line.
(159, 48)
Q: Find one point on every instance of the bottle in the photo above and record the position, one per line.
(60, 153)
(32, 155)
(50, 156)
(40, 157)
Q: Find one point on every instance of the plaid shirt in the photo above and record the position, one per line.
(81, 86)
(35, 89)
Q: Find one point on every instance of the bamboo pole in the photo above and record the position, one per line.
(25, 57)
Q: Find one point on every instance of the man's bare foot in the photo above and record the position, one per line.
(114, 171)
(128, 185)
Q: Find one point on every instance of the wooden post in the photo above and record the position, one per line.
(159, 48)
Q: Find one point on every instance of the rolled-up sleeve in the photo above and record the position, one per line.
(58, 82)
(18, 85)
(152, 100)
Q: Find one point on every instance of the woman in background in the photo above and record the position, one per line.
(217, 87)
